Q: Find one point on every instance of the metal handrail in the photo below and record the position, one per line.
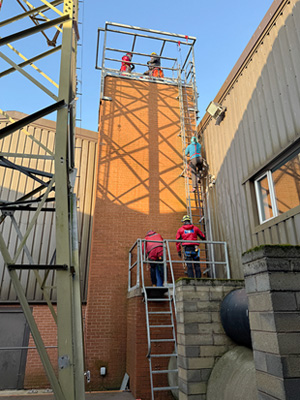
(142, 259)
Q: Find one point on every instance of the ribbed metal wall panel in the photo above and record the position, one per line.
(262, 118)
(41, 241)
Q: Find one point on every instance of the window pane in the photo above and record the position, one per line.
(286, 180)
(264, 198)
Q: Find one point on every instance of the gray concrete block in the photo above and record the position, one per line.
(291, 366)
(298, 300)
(260, 302)
(284, 301)
(187, 306)
(212, 351)
(292, 389)
(254, 268)
(271, 385)
(213, 327)
(192, 351)
(192, 340)
(278, 264)
(264, 396)
(250, 284)
(287, 322)
(222, 340)
(263, 282)
(265, 341)
(295, 265)
(205, 374)
(271, 251)
(262, 321)
(208, 306)
(260, 360)
(189, 317)
(191, 328)
(274, 365)
(282, 281)
(201, 363)
(289, 343)
(182, 362)
(215, 316)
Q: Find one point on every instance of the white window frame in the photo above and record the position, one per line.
(267, 174)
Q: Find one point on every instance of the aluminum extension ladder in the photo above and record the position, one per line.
(161, 334)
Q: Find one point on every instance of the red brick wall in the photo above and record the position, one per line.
(138, 188)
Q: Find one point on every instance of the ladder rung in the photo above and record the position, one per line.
(160, 299)
(156, 389)
(161, 340)
(164, 371)
(162, 355)
(159, 312)
(160, 326)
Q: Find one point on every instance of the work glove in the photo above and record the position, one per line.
(179, 253)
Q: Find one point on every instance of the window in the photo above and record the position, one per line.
(278, 189)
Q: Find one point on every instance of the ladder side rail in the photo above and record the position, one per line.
(142, 252)
(211, 252)
(132, 266)
(183, 142)
(172, 275)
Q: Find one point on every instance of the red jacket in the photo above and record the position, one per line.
(126, 64)
(188, 232)
(154, 250)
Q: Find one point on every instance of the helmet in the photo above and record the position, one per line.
(149, 232)
(153, 54)
(129, 55)
(194, 139)
(186, 218)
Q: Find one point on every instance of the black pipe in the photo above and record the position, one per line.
(235, 317)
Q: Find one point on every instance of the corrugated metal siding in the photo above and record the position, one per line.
(262, 118)
(41, 241)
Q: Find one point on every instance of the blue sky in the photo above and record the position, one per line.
(222, 29)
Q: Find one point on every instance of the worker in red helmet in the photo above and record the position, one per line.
(127, 66)
(154, 252)
(189, 232)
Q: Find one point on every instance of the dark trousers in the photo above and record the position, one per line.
(196, 167)
(157, 273)
(190, 255)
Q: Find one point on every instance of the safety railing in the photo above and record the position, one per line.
(213, 261)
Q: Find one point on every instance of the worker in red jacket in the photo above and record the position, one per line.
(126, 65)
(154, 252)
(190, 232)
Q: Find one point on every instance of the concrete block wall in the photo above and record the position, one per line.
(200, 335)
(272, 281)
(138, 188)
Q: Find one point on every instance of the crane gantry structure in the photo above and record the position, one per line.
(52, 192)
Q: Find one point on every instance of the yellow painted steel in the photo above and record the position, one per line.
(44, 16)
(52, 7)
(32, 65)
